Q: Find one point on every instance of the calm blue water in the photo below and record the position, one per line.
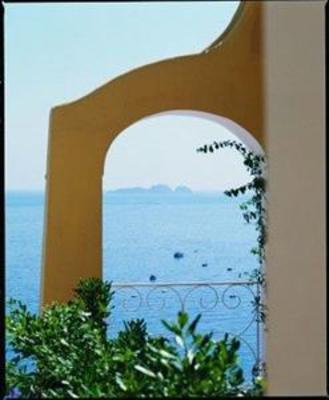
(141, 234)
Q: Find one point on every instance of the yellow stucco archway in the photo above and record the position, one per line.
(225, 80)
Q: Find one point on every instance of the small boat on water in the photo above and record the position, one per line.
(178, 254)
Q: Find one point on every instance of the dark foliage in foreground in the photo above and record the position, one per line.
(69, 354)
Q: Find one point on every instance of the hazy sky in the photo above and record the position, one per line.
(56, 53)
(163, 149)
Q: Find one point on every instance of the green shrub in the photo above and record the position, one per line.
(64, 353)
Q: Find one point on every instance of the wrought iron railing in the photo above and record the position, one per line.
(226, 307)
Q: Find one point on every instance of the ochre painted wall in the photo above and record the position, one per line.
(225, 80)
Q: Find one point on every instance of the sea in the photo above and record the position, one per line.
(162, 253)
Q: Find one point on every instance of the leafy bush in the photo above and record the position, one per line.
(64, 353)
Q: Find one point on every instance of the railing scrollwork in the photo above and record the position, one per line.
(226, 307)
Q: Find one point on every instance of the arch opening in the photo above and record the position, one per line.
(166, 248)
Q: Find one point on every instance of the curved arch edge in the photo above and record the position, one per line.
(240, 132)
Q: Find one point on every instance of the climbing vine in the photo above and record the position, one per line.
(253, 210)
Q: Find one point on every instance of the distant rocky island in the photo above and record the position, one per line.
(155, 189)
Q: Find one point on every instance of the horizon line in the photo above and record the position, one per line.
(119, 188)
